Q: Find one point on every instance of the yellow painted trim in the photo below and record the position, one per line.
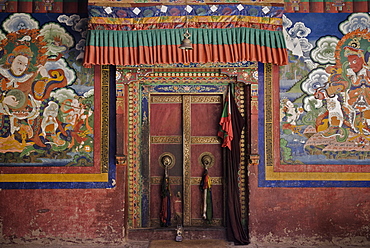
(26, 178)
(316, 176)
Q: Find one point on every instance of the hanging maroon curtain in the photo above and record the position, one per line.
(44, 6)
(234, 229)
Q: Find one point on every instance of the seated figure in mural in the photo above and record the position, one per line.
(334, 113)
(49, 124)
(16, 85)
(21, 121)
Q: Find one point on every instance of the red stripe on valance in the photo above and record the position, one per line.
(171, 54)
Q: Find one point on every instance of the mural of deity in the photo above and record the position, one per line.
(335, 96)
(42, 117)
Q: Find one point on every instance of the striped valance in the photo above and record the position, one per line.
(152, 34)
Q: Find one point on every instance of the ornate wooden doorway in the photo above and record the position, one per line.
(185, 128)
(176, 114)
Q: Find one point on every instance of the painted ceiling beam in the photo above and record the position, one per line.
(113, 3)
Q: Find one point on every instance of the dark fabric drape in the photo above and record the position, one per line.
(234, 228)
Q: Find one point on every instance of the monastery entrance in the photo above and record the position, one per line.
(173, 123)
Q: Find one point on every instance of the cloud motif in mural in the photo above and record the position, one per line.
(89, 93)
(306, 46)
(80, 46)
(299, 30)
(316, 79)
(57, 38)
(20, 21)
(63, 94)
(62, 64)
(296, 40)
(324, 51)
(69, 20)
(79, 25)
(355, 21)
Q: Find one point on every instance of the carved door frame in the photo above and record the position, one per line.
(196, 82)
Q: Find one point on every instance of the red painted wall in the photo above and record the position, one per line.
(301, 216)
(309, 216)
(63, 215)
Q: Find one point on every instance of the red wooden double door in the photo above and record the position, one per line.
(184, 127)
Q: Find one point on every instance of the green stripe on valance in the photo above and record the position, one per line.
(149, 38)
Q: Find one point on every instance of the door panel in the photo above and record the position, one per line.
(205, 115)
(186, 127)
(165, 118)
(165, 138)
(216, 174)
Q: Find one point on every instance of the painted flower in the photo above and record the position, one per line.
(186, 88)
(174, 11)
(87, 148)
(255, 75)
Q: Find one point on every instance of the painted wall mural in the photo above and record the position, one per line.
(324, 104)
(48, 101)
